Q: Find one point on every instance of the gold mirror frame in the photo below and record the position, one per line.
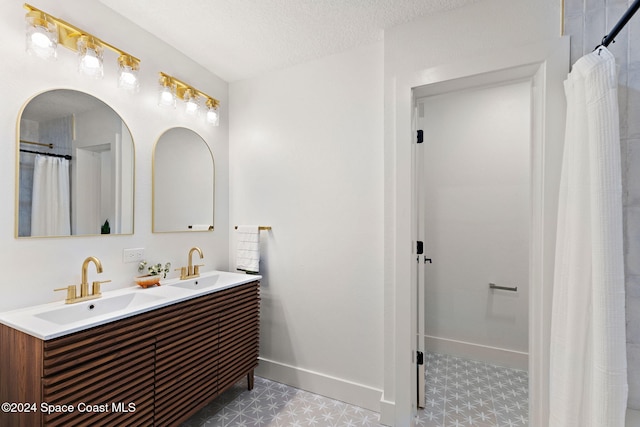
(77, 106)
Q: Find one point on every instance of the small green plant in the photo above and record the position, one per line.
(155, 269)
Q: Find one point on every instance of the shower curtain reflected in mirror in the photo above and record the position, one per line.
(50, 208)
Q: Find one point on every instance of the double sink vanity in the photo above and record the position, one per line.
(133, 356)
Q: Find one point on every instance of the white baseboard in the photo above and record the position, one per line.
(483, 353)
(387, 412)
(318, 383)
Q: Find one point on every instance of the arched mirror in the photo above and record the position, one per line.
(183, 182)
(76, 167)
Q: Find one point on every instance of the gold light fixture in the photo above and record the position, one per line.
(45, 32)
(190, 99)
(128, 68)
(90, 57)
(42, 35)
(213, 116)
(167, 95)
(172, 89)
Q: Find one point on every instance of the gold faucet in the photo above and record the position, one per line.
(191, 271)
(72, 292)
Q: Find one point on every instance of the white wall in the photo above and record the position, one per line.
(476, 190)
(33, 267)
(306, 156)
(94, 136)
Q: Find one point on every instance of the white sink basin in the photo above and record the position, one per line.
(198, 283)
(97, 307)
(53, 320)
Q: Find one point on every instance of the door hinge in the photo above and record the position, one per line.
(419, 358)
(419, 247)
(420, 137)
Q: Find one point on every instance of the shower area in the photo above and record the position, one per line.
(47, 144)
(473, 166)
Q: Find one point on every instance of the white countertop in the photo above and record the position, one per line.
(57, 319)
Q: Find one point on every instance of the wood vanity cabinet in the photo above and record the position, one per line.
(196, 355)
(155, 368)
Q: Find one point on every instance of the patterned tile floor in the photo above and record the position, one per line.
(467, 393)
(460, 393)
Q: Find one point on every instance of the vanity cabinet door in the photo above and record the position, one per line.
(111, 387)
(186, 361)
(239, 336)
(111, 364)
(210, 345)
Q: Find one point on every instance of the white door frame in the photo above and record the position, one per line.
(548, 64)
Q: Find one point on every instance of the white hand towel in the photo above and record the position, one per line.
(248, 248)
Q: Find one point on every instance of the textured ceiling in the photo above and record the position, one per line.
(238, 39)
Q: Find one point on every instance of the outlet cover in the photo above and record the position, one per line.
(133, 255)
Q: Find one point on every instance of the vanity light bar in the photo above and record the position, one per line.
(71, 36)
(68, 34)
(188, 94)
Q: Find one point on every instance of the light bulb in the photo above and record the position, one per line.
(42, 36)
(191, 107)
(212, 116)
(190, 101)
(127, 78)
(128, 73)
(90, 57)
(90, 61)
(40, 40)
(166, 96)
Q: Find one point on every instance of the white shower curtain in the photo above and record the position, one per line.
(588, 381)
(50, 204)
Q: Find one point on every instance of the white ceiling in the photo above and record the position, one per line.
(238, 39)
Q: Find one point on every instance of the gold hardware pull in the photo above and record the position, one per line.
(71, 293)
(96, 286)
(183, 272)
(196, 269)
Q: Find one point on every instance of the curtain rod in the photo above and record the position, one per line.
(63, 156)
(609, 38)
(23, 141)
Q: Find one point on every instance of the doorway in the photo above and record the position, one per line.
(546, 63)
(474, 204)
(473, 192)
